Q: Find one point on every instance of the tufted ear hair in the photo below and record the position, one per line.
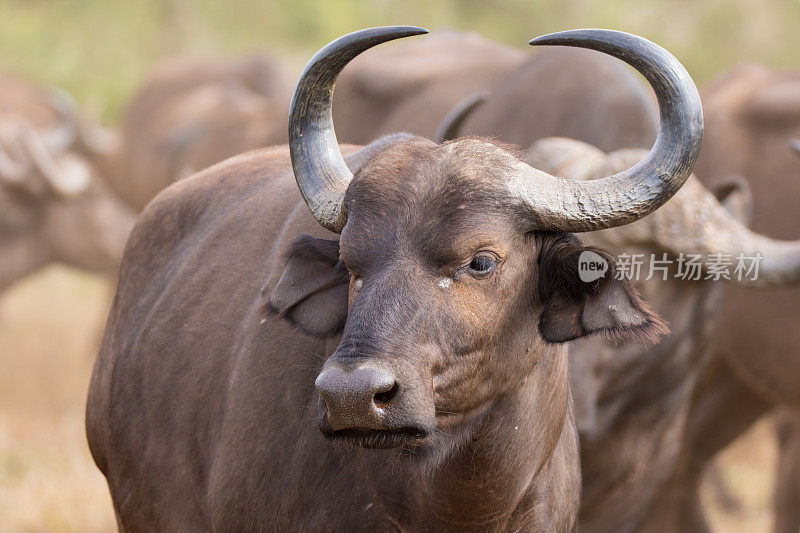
(311, 294)
(582, 296)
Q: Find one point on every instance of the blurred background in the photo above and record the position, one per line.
(100, 51)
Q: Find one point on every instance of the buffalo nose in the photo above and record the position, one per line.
(356, 398)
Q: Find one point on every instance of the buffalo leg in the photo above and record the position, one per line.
(722, 409)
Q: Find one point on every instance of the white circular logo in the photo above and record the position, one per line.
(591, 266)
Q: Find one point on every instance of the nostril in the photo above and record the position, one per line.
(384, 397)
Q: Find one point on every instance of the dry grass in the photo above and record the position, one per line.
(747, 469)
(99, 51)
(49, 330)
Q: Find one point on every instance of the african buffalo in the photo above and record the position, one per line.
(54, 207)
(434, 329)
(190, 114)
(753, 115)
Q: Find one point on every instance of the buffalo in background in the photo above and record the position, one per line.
(55, 205)
(753, 115)
(192, 113)
(635, 399)
(410, 86)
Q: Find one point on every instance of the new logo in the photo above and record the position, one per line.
(591, 266)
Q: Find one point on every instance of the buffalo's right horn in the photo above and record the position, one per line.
(564, 205)
(450, 126)
(319, 168)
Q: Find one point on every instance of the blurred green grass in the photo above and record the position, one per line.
(100, 50)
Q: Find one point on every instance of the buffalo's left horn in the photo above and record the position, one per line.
(450, 126)
(564, 205)
(319, 168)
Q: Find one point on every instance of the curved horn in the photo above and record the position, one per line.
(69, 176)
(450, 126)
(564, 205)
(319, 168)
(63, 135)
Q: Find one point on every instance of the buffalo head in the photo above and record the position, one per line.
(456, 276)
(53, 206)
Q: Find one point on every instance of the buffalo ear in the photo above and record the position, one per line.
(311, 294)
(575, 308)
(736, 197)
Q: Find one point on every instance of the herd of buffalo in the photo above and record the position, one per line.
(392, 333)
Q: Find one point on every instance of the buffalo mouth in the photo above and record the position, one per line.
(377, 438)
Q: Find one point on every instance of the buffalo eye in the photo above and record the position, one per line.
(482, 265)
